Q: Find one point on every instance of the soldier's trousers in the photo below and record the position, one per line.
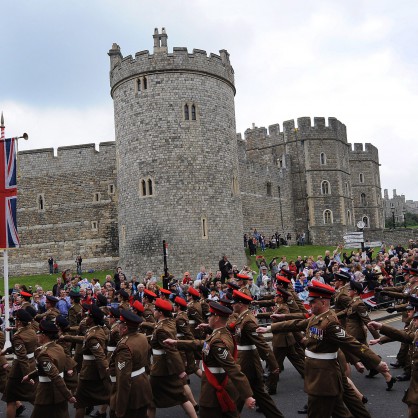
(327, 407)
(403, 354)
(216, 412)
(294, 357)
(262, 398)
(352, 401)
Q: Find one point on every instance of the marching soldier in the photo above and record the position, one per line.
(223, 383)
(52, 395)
(148, 313)
(251, 346)
(131, 392)
(75, 312)
(167, 370)
(324, 335)
(242, 281)
(25, 299)
(23, 346)
(124, 300)
(114, 336)
(194, 310)
(51, 311)
(341, 297)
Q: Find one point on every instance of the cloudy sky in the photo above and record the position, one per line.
(351, 59)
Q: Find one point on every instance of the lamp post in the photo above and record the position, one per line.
(393, 218)
(404, 217)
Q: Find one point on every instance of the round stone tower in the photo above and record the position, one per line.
(177, 162)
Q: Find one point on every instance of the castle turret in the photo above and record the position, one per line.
(177, 158)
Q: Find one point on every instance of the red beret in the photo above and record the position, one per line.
(25, 294)
(180, 301)
(163, 305)
(150, 294)
(241, 276)
(241, 297)
(320, 290)
(192, 291)
(282, 279)
(165, 291)
(138, 306)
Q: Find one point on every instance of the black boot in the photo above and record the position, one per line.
(20, 410)
(304, 410)
(372, 373)
(89, 410)
(403, 378)
(397, 365)
(390, 384)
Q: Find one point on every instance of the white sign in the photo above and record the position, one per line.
(373, 244)
(353, 241)
(353, 245)
(358, 235)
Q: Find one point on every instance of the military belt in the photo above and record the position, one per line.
(214, 369)
(246, 347)
(109, 348)
(192, 321)
(30, 355)
(133, 374)
(46, 379)
(88, 357)
(321, 356)
(180, 335)
(158, 352)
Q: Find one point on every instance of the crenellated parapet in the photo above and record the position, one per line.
(180, 60)
(360, 152)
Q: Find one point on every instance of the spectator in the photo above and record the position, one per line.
(56, 289)
(78, 262)
(64, 303)
(224, 267)
(51, 265)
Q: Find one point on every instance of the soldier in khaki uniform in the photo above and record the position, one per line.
(223, 383)
(408, 337)
(23, 347)
(93, 384)
(324, 336)
(51, 311)
(114, 335)
(242, 281)
(25, 299)
(131, 392)
(194, 311)
(75, 313)
(52, 395)
(167, 370)
(148, 312)
(284, 343)
(123, 299)
(341, 297)
(251, 347)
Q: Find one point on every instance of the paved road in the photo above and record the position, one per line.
(290, 394)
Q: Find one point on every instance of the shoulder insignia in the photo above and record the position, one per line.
(222, 353)
(182, 324)
(46, 365)
(19, 347)
(95, 347)
(340, 333)
(363, 314)
(121, 365)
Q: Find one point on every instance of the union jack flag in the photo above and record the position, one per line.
(8, 194)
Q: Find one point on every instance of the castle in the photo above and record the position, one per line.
(179, 172)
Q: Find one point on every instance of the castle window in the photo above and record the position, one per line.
(96, 197)
(363, 200)
(235, 188)
(268, 189)
(279, 163)
(123, 235)
(111, 189)
(146, 187)
(204, 225)
(349, 218)
(41, 203)
(193, 112)
(138, 85)
(186, 112)
(361, 177)
(325, 187)
(327, 217)
(145, 80)
(366, 222)
(94, 226)
(322, 158)
(347, 192)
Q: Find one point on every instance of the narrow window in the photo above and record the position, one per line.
(145, 83)
(143, 188)
(111, 189)
(361, 178)
(327, 217)
(363, 199)
(149, 187)
(346, 189)
(366, 221)
(235, 189)
(96, 197)
(325, 187)
(204, 228)
(94, 225)
(348, 217)
(186, 112)
(193, 112)
(268, 189)
(123, 234)
(323, 158)
(41, 203)
(138, 85)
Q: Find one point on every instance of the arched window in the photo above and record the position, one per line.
(348, 217)
(138, 85)
(366, 221)
(41, 202)
(325, 187)
(268, 189)
(361, 177)
(145, 83)
(363, 199)
(322, 158)
(328, 217)
(186, 112)
(143, 188)
(149, 187)
(146, 187)
(193, 112)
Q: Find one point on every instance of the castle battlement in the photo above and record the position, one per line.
(368, 151)
(144, 63)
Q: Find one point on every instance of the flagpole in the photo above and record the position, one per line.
(6, 296)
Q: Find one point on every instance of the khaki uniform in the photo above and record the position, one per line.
(131, 392)
(3, 361)
(251, 346)
(113, 340)
(195, 314)
(246, 291)
(75, 314)
(71, 380)
(24, 343)
(50, 314)
(323, 373)
(167, 365)
(184, 333)
(217, 354)
(342, 300)
(93, 384)
(51, 393)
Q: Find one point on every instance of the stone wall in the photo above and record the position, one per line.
(392, 236)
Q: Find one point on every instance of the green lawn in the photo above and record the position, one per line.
(47, 281)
